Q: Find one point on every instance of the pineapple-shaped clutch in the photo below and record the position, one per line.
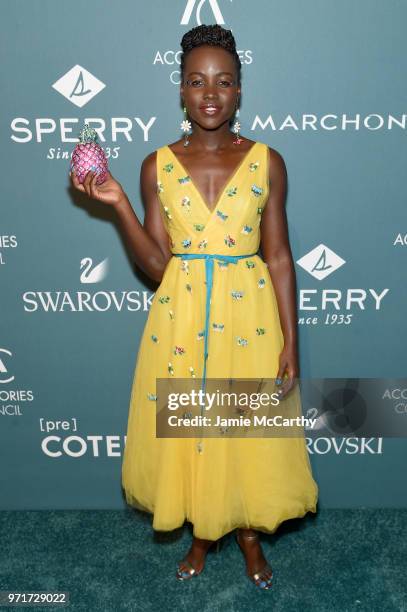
(89, 155)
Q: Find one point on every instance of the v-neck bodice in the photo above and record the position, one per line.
(225, 184)
(232, 226)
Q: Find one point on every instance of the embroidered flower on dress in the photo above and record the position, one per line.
(231, 191)
(253, 166)
(168, 167)
(188, 287)
(261, 283)
(260, 331)
(164, 299)
(201, 335)
(160, 187)
(170, 368)
(186, 243)
(246, 229)
(167, 212)
(229, 241)
(184, 179)
(218, 326)
(199, 227)
(192, 371)
(185, 266)
(203, 244)
(257, 190)
(222, 215)
(151, 396)
(154, 338)
(179, 350)
(237, 295)
(242, 341)
(186, 203)
(250, 263)
(259, 210)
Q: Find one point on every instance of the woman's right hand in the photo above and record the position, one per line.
(109, 192)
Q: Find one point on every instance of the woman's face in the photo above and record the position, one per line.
(209, 88)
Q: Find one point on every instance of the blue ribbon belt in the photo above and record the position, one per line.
(209, 261)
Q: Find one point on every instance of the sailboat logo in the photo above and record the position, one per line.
(78, 85)
(321, 262)
(217, 15)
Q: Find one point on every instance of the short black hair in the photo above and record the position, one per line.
(210, 35)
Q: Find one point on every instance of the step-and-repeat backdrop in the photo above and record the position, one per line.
(323, 83)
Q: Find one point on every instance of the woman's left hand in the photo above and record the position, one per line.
(288, 368)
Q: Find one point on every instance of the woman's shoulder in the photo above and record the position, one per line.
(266, 146)
(274, 156)
(150, 160)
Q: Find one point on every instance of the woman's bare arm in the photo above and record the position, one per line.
(276, 252)
(149, 243)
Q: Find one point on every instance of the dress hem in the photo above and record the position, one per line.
(134, 503)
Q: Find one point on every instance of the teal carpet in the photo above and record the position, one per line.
(339, 560)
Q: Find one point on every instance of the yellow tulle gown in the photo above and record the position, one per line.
(217, 484)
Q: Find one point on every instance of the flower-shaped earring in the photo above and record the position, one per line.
(185, 127)
(236, 129)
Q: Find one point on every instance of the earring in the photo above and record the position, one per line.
(236, 129)
(185, 127)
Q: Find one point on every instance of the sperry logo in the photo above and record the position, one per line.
(321, 262)
(78, 86)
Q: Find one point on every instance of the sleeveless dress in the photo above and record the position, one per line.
(212, 315)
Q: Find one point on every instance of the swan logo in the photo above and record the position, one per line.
(78, 86)
(321, 262)
(96, 275)
(190, 6)
(4, 377)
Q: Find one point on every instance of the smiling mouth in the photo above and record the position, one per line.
(209, 110)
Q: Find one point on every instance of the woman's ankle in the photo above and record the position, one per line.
(247, 532)
(201, 543)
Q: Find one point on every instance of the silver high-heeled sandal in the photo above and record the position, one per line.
(191, 572)
(261, 579)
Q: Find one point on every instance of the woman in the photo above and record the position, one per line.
(210, 196)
